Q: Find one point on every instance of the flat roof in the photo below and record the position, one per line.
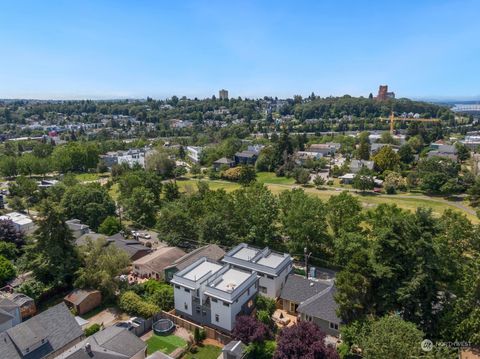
(202, 269)
(232, 279)
(246, 253)
(273, 260)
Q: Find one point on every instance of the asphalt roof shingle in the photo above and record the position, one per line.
(56, 325)
(298, 289)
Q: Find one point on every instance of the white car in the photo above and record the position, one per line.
(147, 236)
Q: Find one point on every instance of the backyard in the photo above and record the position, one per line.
(204, 352)
(166, 344)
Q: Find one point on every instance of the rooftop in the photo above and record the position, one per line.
(246, 253)
(210, 251)
(201, 269)
(231, 279)
(260, 260)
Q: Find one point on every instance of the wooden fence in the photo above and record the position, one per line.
(190, 326)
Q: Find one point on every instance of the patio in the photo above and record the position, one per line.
(283, 319)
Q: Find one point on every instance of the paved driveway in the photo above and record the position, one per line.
(108, 317)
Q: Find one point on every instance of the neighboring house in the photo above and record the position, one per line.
(312, 300)
(302, 156)
(22, 222)
(83, 300)
(27, 305)
(446, 151)
(132, 248)
(211, 251)
(194, 153)
(233, 350)
(214, 295)
(375, 147)
(325, 149)
(271, 267)
(46, 183)
(246, 157)
(46, 335)
(18, 281)
(357, 165)
(153, 265)
(9, 314)
(77, 227)
(222, 162)
(347, 178)
(111, 343)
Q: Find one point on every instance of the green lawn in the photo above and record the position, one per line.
(270, 177)
(165, 344)
(87, 177)
(204, 352)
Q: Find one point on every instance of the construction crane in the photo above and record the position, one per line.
(393, 119)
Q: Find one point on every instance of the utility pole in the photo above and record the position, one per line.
(307, 256)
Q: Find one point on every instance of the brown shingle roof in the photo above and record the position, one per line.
(161, 258)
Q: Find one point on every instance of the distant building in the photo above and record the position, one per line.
(446, 151)
(221, 162)
(194, 153)
(246, 157)
(325, 149)
(357, 165)
(223, 94)
(132, 157)
(383, 93)
(77, 228)
(21, 221)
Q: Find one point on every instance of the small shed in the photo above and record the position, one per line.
(83, 300)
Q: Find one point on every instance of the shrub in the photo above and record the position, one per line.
(133, 304)
(92, 329)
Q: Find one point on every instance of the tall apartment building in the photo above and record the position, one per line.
(271, 267)
(223, 94)
(213, 294)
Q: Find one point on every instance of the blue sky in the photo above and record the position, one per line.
(118, 49)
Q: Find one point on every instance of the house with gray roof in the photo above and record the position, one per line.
(132, 248)
(9, 314)
(46, 335)
(111, 343)
(357, 165)
(311, 300)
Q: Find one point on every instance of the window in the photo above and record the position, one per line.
(334, 326)
(217, 317)
(187, 290)
(197, 309)
(226, 304)
(269, 277)
(248, 291)
(198, 292)
(177, 286)
(214, 300)
(185, 305)
(250, 303)
(263, 289)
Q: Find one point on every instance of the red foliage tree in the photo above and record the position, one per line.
(248, 330)
(303, 341)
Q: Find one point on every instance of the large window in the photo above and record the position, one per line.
(334, 326)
